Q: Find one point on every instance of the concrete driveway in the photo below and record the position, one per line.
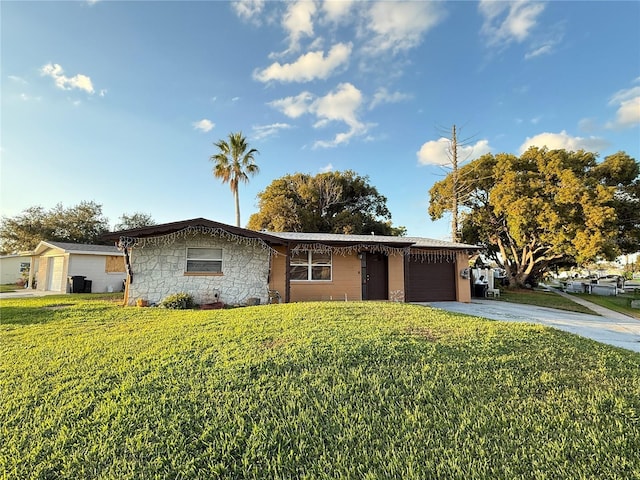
(611, 328)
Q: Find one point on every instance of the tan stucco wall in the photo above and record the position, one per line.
(344, 285)
(396, 278)
(277, 272)
(463, 286)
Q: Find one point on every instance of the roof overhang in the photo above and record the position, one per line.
(174, 227)
(43, 246)
(292, 239)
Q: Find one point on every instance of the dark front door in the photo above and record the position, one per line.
(375, 277)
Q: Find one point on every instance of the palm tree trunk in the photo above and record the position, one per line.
(237, 199)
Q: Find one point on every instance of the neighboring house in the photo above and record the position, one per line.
(102, 265)
(15, 268)
(217, 262)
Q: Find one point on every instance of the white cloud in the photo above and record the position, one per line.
(263, 131)
(294, 107)
(438, 152)
(546, 42)
(562, 140)
(629, 112)
(204, 125)
(248, 10)
(79, 81)
(505, 22)
(628, 103)
(624, 95)
(327, 168)
(307, 67)
(400, 26)
(383, 96)
(340, 105)
(337, 11)
(15, 78)
(298, 22)
(543, 50)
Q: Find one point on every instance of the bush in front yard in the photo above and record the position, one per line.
(178, 301)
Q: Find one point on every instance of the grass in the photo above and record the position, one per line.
(8, 287)
(620, 303)
(362, 390)
(542, 299)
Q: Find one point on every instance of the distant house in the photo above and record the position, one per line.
(101, 265)
(217, 262)
(15, 268)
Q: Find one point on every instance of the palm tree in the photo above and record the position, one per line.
(234, 164)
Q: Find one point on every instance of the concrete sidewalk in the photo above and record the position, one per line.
(605, 312)
(28, 292)
(611, 328)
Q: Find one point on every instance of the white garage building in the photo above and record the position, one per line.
(101, 265)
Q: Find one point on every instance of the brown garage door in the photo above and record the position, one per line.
(429, 281)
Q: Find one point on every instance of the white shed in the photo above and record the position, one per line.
(101, 265)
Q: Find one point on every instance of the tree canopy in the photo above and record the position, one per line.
(233, 164)
(332, 202)
(545, 207)
(135, 220)
(83, 223)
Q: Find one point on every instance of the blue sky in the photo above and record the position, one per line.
(120, 102)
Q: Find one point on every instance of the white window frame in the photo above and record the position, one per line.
(310, 264)
(212, 259)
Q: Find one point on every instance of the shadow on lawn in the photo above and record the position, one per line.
(31, 315)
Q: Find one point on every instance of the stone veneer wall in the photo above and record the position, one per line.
(160, 271)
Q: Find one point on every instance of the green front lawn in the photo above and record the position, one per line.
(542, 299)
(360, 390)
(620, 303)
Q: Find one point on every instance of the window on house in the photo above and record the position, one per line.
(204, 260)
(310, 266)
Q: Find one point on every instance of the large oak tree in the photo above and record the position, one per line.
(545, 207)
(332, 202)
(82, 223)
